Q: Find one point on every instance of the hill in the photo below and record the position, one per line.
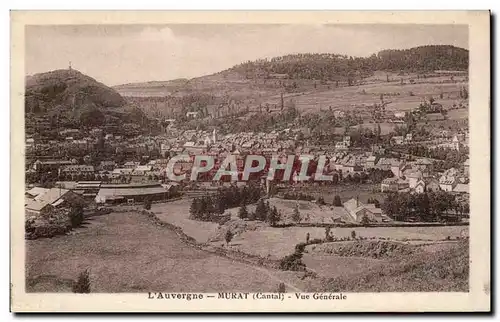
(69, 88)
(73, 97)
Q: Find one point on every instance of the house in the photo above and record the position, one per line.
(48, 200)
(347, 140)
(447, 183)
(397, 167)
(121, 172)
(107, 165)
(77, 169)
(130, 193)
(399, 115)
(51, 165)
(142, 170)
(397, 140)
(357, 210)
(30, 142)
(384, 164)
(192, 114)
(461, 188)
(431, 184)
(428, 185)
(413, 178)
(35, 191)
(87, 189)
(131, 165)
(424, 165)
(341, 145)
(339, 114)
(466, 167)
(420, 186)
(350, 166)
(378, 149)
(408, 138)
(393, 185)
(371, 161)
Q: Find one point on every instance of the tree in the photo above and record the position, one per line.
(228, 237)
(261, 210)
(307, 238)
(273, 217)
(353, 234)
(327, 234)
(82, 285)
(76, 215)
(296, 214)
(281, 288)
(337, 202)
(194, 210)
(320, 201)
(243, 212)
(365, 221)
(147, 204)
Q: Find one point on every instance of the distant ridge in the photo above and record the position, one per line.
(329, 66)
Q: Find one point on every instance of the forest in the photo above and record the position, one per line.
(331, 67)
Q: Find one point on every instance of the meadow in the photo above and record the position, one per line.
(125, 252)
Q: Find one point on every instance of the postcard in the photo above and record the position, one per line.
(250, 161)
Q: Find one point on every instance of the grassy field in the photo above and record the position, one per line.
(278, 242)
(127, 253)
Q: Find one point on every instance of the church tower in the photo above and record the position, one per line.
(214, 136)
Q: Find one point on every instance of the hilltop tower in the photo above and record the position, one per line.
(69, 66)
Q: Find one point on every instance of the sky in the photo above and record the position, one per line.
(120, 54)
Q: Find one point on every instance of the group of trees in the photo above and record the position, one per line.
(427, 206)
(204, 208)
(448, 158)
(297, 196)
(263, 212)
(373, 175)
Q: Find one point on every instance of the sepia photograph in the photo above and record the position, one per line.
(266, 161)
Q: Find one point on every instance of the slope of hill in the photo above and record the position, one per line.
(444, 270)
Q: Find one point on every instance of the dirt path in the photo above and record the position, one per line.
(274, 277)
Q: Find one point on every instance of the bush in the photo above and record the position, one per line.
(82, 285)
(243, 212)
(228, 237)
(292, 262)
(281, 288)
(299, 248)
